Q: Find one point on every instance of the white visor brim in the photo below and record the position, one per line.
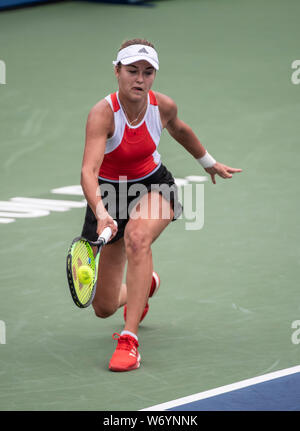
(131, 60)
(134, 53)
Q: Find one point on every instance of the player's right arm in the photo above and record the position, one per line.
(99, 126)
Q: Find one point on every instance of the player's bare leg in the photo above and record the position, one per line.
(110, 292)
(140, 233)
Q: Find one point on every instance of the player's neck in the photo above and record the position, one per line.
(134, 109)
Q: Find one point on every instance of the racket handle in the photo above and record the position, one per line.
(106, 234)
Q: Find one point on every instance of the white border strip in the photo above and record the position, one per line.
(224, 389)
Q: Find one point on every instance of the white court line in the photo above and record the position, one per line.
(224, 389)
(6, 220)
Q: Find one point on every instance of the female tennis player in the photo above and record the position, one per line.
(120, 157)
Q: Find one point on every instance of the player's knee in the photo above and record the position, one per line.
(104, 312)
(137, 241)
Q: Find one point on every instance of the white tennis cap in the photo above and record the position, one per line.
(137, 52)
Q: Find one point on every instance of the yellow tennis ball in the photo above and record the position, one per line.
(85, 274)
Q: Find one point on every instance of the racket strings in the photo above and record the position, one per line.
(82, 255)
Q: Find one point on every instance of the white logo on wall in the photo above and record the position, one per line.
(23, 207)
(295, 78)
(2, 72)
(296, 334)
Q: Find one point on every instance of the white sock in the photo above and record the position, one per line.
(129, 333)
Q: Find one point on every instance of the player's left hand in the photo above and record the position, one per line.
(222, 170)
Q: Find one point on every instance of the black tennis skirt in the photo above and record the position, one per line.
(119, 198)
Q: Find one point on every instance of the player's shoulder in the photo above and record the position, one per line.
(102, 107)
(164, 101)
(100, 113)
(167, 106)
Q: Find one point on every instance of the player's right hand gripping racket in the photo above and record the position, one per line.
(81, 254)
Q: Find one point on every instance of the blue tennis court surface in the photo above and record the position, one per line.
(278, 391)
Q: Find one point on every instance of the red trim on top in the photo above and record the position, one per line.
(152, 97)
(115, 102)
(132, 158)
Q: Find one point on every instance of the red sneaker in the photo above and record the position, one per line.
(126, 356)
(153, 289)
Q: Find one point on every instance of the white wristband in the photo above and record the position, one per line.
(207, 161)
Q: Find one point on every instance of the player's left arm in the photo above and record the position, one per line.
(184, 134)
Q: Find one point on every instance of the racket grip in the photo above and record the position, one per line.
(106, 234)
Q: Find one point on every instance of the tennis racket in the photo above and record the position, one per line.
(81, 254)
